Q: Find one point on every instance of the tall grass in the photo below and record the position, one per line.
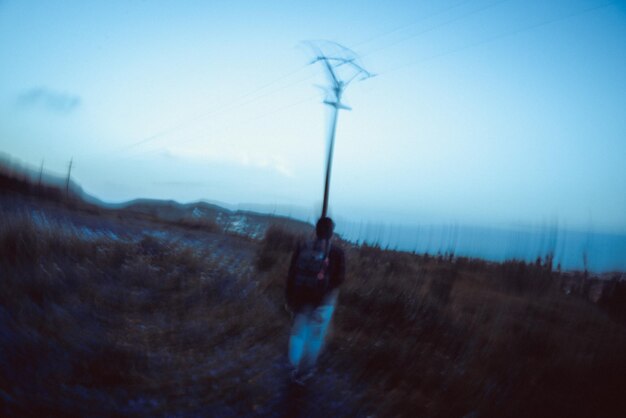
(444, 337)
(108, 328)
(147, 327)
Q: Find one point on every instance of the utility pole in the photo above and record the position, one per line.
(341, 68)
(329, 157)
(41, 172)
(69, 174)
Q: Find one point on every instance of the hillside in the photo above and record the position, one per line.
(163, 309)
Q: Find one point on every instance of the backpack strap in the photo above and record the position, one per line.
(326, 247)
(326, 266)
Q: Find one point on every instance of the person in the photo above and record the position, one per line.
(316, 271)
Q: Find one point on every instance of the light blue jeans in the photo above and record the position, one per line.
(307, 334)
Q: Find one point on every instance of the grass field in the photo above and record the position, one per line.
(190, 322)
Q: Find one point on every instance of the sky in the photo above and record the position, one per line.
(483, 112)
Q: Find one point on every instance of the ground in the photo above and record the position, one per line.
(115, 313)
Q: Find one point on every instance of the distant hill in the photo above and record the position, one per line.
(18, 178)
(243, 222)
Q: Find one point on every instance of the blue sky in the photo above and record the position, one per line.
(481, 112)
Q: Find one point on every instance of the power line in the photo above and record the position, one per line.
(236, 105)
(197, 135)
(446, 23)
(501, 36)
(233, 104)
(236, 102)
(408, 25)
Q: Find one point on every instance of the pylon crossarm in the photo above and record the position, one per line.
(337, 105)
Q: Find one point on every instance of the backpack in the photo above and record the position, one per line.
(312, 275)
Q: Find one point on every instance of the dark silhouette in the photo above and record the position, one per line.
(317, 270)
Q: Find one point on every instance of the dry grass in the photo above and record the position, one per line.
(454, 337)
(103, 327)
(151, 328)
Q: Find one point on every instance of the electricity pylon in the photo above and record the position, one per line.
(341, 67)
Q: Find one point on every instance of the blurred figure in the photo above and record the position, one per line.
(316, 271)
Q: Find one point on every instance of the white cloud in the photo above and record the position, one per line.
(274, 163)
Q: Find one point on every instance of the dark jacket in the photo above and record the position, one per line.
(337, 273)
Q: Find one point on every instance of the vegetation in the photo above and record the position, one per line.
(143, 326)
(106, 328)
(454, 337)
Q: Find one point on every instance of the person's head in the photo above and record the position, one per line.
(324, 228)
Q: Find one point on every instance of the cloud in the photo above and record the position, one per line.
(51, 100)
(272, 162)
(262, 161)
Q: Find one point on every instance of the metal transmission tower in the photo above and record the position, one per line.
(341, 67)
